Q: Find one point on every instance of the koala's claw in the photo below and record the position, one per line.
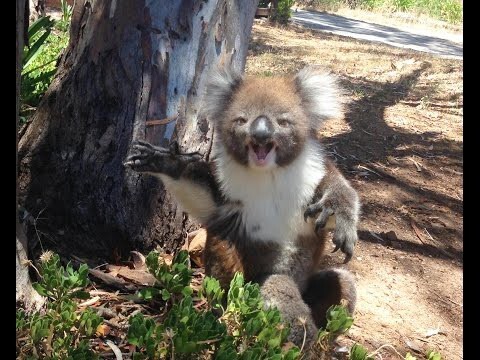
(345, 237)
(345, 233)
(156, 159)
(348, 256)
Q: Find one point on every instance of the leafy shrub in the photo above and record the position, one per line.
(283, 12)
(243, 329)
(61, 330)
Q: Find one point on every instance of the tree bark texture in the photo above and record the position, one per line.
(128, 62)
(25, 294)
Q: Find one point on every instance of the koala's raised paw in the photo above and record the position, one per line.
(156, 159)
(146, 157)
(346, 217)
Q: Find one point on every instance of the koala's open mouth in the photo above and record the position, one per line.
(261, 155)
(262, 150)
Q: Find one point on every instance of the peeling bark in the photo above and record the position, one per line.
(127, 63)
(25, 294)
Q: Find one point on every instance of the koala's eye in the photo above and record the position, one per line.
(240, 121)
(283, 122)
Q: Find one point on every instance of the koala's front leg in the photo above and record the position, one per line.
(185, 175)
(336, 197)
(157, 160)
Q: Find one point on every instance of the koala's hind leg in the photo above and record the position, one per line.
(326, 288)
(282, 292)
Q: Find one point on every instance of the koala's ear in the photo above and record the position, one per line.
(322, 96)
(221, 84)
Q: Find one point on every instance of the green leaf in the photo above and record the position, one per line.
(433, 355)
(358, 352)
(34, 50)
(44, 22)
(410, 357)
(80, 294)
(187, 291)
(165, 295)
(148, 293)
(40, 289)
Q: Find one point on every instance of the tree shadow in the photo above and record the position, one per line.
(372, 141)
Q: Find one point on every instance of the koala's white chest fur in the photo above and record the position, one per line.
(273, 200)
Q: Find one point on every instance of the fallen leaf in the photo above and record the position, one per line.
(138, 260)
(431, 332)
(196, 247)
(102, 330)
(287, 346)
(112, 280)
(89, 302)
(413, 345)
(342, 349)
(137, 276)
(113, 269)
(417, 232)
(167, 258)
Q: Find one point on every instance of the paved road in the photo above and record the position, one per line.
(340, 25)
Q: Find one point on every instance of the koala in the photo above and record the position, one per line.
(269, 193)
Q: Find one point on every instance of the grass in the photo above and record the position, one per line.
(447, 10)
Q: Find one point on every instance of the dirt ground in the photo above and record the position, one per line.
(400, 145)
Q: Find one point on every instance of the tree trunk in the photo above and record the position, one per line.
(127, 63)
(25, 293)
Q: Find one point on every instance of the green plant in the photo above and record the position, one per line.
(358, 352)
(38, 33)
(64, 23)
(39, 60)
(60, 331)
(242, 329)
(282, 12)
(338, 322)
(433, 355)
(59, 283)
(172, 280)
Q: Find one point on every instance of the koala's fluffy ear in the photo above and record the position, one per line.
(321, 94)
(221, 84)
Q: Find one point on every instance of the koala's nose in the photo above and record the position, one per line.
(261, 129)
